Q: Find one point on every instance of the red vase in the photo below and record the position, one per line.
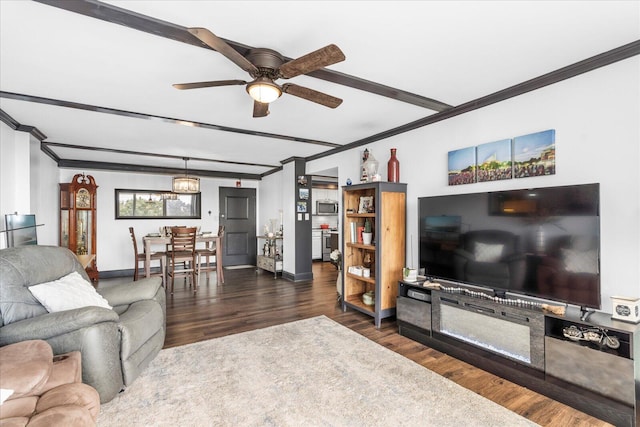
(393, 168)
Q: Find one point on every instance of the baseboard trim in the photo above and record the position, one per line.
(300, 277)
(110, 274)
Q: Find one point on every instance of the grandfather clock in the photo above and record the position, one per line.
(78, 220)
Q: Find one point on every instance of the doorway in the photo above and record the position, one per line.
(238, 216)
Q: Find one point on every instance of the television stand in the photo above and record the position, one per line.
(585, 313)
(500, 294)
(532, 348)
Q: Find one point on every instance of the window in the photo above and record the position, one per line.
(145, 204)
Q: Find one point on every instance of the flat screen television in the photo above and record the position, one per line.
(541, 242)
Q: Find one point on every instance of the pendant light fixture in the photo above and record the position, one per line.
(185, 184)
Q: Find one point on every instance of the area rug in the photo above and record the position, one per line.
(312, 372)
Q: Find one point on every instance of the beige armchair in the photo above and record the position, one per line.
(46, 389)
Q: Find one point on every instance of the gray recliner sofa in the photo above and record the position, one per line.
(116, 345)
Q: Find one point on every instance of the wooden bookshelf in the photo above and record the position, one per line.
(387, 215)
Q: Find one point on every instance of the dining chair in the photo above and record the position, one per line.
(183, 260)
(141, 257)
(210, 251)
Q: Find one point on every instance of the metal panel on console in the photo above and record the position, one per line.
(592, 369)
(415, 312)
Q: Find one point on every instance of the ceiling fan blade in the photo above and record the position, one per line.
(311, 95)
(215, 42)
(197, 85)
(320, 58)
(260, 109)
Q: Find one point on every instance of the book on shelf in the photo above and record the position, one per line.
(352, 230)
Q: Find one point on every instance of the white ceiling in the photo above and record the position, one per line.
(450, 51)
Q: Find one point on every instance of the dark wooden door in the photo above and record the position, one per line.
(238, 215)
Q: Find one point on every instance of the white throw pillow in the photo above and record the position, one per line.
(5, 393)
(485, 252)
(68, 292)
(580, 261)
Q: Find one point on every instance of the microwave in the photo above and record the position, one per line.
(326, 207)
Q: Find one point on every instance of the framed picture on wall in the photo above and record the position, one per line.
(535, 154)
(462, 166)
(301, 207)
(303, 193)
(494, 161)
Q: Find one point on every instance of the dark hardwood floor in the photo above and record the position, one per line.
(250, 301)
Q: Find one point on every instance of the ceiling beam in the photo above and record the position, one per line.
(137, 21)
(125, 167)
(607, 58)
(8, 120)
(133, 114)
(49, 152)
(379, 89)
(156, 155)
(13, 124)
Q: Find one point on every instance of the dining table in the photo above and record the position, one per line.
(157, 240)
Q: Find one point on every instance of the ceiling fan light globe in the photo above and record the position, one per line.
(264, 90)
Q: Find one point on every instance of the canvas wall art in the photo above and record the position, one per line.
(535, 154)
(462, 166)
(494, 161)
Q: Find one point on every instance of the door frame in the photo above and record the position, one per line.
(251, 193)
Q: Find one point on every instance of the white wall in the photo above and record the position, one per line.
(595, 115)
(115, 251)
(7, 173)
(270, 206)
(597, 121)
(44, 194)
(270, 203)
(28, 183)
(288, 188)
(14, 171)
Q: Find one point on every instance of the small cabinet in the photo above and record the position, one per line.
(594, 355)
(383, 204)
(413, 308)
(270, 254)
(316, 244)
(78, 221)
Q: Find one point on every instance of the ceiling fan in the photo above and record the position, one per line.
(265, 66)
